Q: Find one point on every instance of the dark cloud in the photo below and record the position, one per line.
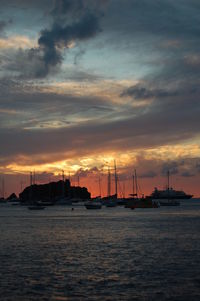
(52, 41)
(148, 130)
(45, 177)
(161, 37)
(64, 7)
(165, 18)
(148, 174)
(178, 100)
(173, 120)
(141, 92)
(76, 7)
(172, 79)
(140, 28)
(8, 85)
(27, 64)
(84, 173)
(78, 56)
(171, 167)
(78, 75)
(24, 4)
(197, 167)
(71, 21)
(2, 26)
(36, 109)
(187, 174)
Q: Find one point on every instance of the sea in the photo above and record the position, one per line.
(116, 253)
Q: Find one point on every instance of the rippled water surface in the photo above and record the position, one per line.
(107, 254)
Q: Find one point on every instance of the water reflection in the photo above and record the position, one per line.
(114, 254)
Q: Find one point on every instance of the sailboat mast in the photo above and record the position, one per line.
(63, 175)
(99, 186)
(108, 181)
(49, 186)
(3, 187)
(133, 183)
(124, 190)
(63, 183)
(136, 186)
(21, 183)
(31, 178)
(168, 179)
(31, 188)
(116, 192)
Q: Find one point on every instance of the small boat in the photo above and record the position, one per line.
(15, 203)
(93, 205)
(142, 203)
(36, 205)
(3, 201)
(145, 203)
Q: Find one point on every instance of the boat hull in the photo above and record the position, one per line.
(143, 206)
(111, 203)
(93, 206)
(186, 197)
(142, 203)
(170, 203)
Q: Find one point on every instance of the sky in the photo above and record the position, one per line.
(87, 82)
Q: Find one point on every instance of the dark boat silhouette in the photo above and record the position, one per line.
(169, 193)
(93, 205)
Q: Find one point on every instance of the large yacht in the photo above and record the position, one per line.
(170, 193)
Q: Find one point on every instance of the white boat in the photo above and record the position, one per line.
(169, 193)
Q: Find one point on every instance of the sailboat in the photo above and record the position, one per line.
(35, 205)
(131, 201)
(112, 199)
(143, 202)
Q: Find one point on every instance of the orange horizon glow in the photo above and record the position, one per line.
(90, 168)
(91, 182)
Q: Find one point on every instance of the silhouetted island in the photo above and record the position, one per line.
(52, 192)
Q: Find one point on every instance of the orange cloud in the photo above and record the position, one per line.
(16, 42)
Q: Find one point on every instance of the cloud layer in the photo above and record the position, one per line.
(83, 78)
